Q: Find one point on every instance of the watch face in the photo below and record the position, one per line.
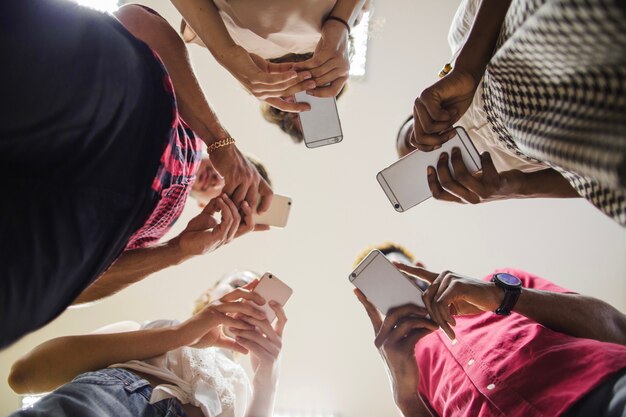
(509, 279)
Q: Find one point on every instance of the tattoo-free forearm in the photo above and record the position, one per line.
(480, 44)
(347, 10)
(573, 314)
(547, 183)
(264, 393)
(160, 36)
(59, 360)
(131, 267)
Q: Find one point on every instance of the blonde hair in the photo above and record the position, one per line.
(386, 248)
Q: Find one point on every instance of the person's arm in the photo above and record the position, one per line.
(450, 294)
(59, 360)
(396, 336)
(243, 182)
(490, 185)
(442, 104)
(202, 235)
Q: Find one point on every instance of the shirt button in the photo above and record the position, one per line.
(471, 362)
(490, 386)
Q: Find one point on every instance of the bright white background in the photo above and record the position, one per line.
(329, 361)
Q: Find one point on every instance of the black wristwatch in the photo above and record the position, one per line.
(512, 287)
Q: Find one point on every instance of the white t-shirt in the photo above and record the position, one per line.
(271, 28)
(474, 121)
(207, 378)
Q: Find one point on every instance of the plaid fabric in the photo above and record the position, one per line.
(555, 92)
(179, 163)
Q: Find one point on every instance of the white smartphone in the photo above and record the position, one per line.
(320, 125)
(384, 284)
(405, 181)
(278, 213)
(271, 288)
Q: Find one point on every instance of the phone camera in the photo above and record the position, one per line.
(289, 203)
(397, 206)
(270, 276)
(353, 275)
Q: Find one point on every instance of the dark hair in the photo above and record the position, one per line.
(386, 249)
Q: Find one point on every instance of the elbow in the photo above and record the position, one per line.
(18, 378)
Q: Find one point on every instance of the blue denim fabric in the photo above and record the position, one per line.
(107, 392)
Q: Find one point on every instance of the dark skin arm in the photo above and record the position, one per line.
(577, 315)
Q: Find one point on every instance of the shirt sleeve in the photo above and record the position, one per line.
(532, 281)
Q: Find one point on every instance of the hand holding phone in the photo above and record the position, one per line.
(383, 284)
(405, 182)
(320, 125)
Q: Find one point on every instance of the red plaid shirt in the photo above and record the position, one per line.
(179, 163)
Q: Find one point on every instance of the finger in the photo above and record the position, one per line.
(242, 308)
(337, 66)
(245, 293)
(265, 80)
(226, 217)
(411, 324)
(264, 327)
(259, 339)
(418, 272)
(446, 298)
(230, 322)
(315, 61)
(290, 90)
(239, 194)
(463, 176)
(251, 285)
(284, 105)
(227, 343)
(266, 195)
(394, 318)
(247, 220)
(428, 141)
(442, 307)
(261, 227)
(429, 124)
(429, 300)
(437, 190)
(235, 216)
(281, 321)
(255, 348)
(252, 197)
(372, 312)
(490, 173)
(331, 90)
(450, 184)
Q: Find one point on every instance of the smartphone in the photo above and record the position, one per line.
(320, 125)
(271, 288)
(405, 182)
(277, 214)
(384, 284)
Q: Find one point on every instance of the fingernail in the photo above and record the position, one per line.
(443, 156)
(436, 147)
(451, 134)
(456, 151)
(431, 171)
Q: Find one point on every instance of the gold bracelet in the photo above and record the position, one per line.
(445, 70)
(219, 144)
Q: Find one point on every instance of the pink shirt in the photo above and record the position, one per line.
(511, 366)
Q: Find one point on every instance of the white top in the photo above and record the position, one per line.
(207, 378)
(271, 28)
(474, 121)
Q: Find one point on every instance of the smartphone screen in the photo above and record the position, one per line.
(405, 181)
(320, 125)
(383, 284)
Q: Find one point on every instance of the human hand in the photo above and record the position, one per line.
(396, 336)
(204, 328)
(266, 80)
(450, 294)
(264, 342)
(330, 63)
(463, 187)
(440, 106)
(243, 181)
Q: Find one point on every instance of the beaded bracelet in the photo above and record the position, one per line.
(340, 20)
(220, 144)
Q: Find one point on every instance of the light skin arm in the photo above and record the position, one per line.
(577, 315)
(59, 360)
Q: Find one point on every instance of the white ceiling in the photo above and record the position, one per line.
(329, 361)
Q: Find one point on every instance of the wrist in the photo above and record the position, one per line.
(177, 252)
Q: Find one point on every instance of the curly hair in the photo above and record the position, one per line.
(386, 249)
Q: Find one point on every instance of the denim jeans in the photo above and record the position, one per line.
(607, 400)
(107, 392)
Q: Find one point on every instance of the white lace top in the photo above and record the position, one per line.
(207, 378)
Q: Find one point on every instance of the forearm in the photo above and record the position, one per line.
(347, 10)
(264, 392)
(131, 267)
(547, 183)
(573, 314)
(406, 394)
(58, 361)
(480, 44)
(191, 101)
(204, 18)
